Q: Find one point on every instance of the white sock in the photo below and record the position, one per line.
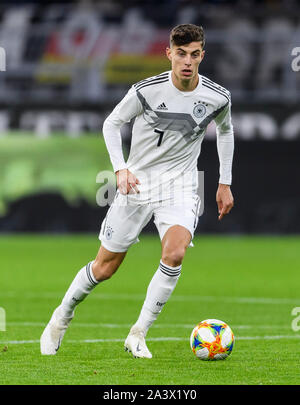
(83, 283)
(159, 290)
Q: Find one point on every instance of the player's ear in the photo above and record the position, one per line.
(168, 53)
(202, 55)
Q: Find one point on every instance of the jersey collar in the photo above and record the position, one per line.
(186, 93)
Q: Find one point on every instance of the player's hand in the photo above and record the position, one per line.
(224, 200)
(127, 182)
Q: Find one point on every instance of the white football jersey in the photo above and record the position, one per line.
(167, 133)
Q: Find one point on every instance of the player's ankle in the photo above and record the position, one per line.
(136, 328)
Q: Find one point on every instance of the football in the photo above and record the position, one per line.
(212, 339)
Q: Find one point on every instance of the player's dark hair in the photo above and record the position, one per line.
(186, 33)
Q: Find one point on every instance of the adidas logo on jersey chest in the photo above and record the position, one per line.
(162, 106)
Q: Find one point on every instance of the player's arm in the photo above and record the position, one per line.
(225, 147)
(128, 108)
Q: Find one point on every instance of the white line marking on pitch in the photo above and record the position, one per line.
(157, 326)
(178, 298)
(158, 339)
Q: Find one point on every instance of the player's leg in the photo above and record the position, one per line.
(119, 230)
(100, 269)
(174, 245)
(106, 263)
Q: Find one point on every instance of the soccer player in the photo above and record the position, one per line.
(171, 111)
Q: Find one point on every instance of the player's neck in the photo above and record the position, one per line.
(185, 85)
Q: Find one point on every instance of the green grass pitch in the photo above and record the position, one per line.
(252, 283)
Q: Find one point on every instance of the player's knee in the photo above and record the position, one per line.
(173, 257)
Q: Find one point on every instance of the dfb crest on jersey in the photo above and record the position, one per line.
(108, 233)
(199, 110)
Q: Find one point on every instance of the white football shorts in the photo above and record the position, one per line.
(124, 222)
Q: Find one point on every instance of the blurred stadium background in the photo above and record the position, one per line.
(64, 67)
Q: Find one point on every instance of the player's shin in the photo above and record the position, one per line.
(158, 293)
(83, 283)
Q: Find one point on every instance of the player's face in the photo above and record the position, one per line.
(185, 60)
